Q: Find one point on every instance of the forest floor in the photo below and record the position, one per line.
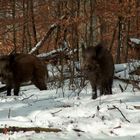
(110, 117)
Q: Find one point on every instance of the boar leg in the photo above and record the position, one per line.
(94, 92)
(9, 88)
(16, 89)
(102, 90)
(108, 89)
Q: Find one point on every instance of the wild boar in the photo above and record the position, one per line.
(18, 68)
(98, 66)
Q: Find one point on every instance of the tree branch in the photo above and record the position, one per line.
(43, 40)
(135, 83)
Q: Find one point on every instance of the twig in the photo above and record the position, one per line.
(9, 113)
(121, 88)
(27, 97)
(78, 130)
(53, 113)
(128, 81)
(79, 91)
(25, 129)
(121, 113)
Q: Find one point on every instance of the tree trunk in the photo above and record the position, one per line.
(91, 24)
(118, 55)
(29, 44)
(113, 36)
(24, 27)
(127, 41)
(14, 24)
(33, 22)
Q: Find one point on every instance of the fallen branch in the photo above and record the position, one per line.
(117, 127)
(137, 107)
(55, 54)
(43, 40)
(25, 129)
(3, 88)
(121, 113)
(136, 71)
(53, 113)
(114, 107)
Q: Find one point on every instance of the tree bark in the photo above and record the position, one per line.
(33, 21)
(113, 36)
(14, 24)
(24, 27)
(29, 43)
(118, 55)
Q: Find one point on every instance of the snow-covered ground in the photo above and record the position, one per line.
(34, 108)
(123, 70)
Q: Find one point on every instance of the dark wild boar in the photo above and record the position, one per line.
(98, 66)
(18, 68)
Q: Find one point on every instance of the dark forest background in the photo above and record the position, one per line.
(23, 23)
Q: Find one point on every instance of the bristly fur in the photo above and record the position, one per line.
(18, 68)
(98, 66)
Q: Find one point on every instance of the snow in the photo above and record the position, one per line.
(53, 25)
(53, 52)
(34, 108)
(120, 67)
(123, 70)
(135, 40)
(35, 48)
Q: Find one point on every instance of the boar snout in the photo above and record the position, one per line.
(91, 67)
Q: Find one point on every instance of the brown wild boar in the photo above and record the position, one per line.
(18, 68)
(98, 66)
